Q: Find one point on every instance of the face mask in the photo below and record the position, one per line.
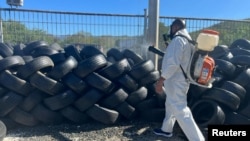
(166, 35)
(170, 33)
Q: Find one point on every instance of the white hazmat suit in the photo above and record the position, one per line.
(176, 88)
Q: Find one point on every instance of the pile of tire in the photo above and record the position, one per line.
(43, 83)
(228, 101)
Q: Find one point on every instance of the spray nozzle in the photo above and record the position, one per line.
(166, 38)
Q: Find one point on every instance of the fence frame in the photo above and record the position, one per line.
(129, 29)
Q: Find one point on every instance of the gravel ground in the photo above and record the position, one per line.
(122, 131)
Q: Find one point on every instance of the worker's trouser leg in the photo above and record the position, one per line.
(177, 109)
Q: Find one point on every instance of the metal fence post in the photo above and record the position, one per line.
(145, 35)
(153, 28)
(1, 28)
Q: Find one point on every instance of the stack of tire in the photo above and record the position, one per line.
(43, 83)
(228, 101)
(47, 84)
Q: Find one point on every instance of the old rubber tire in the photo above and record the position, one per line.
(88, 99)
(46, 116)
(42, 63)
(102, 114)
(63, 68)
(114, 99)
(61, 100)
(74, 115)
(14, 83)
(99, 82)
(89, 65)
(206, 112)
(115, 70)
(22, 117)
(8, 102)
(141, 69)
(46, 84)
(11, 62)
(127, 110)
(75, 83)
(223, 97)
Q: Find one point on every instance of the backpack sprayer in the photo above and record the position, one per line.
(201, 66)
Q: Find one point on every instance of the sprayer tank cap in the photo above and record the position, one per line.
(209, 31)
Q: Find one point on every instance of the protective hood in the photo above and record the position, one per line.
(177, 22)
(183, 32)
(178, 53)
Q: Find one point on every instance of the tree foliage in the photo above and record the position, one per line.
(16, 32)
(231, 30)
(162, 30)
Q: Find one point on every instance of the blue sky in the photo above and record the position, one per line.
(219, 9)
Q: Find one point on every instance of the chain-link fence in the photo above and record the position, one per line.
(107, 30)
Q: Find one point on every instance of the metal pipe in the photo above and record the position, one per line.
(153, 28)
(1, 29)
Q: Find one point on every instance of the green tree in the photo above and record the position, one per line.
(16, 32)
(162, 30)
(229, 31)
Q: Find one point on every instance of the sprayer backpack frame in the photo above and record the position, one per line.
(200, 67)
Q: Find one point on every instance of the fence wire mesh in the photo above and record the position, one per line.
(107, 30)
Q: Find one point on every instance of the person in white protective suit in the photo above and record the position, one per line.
(174, 84)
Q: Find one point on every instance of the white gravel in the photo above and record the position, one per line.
(123, 131)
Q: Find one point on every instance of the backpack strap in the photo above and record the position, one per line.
(190, 41)
(193, 43)
(185, 75)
